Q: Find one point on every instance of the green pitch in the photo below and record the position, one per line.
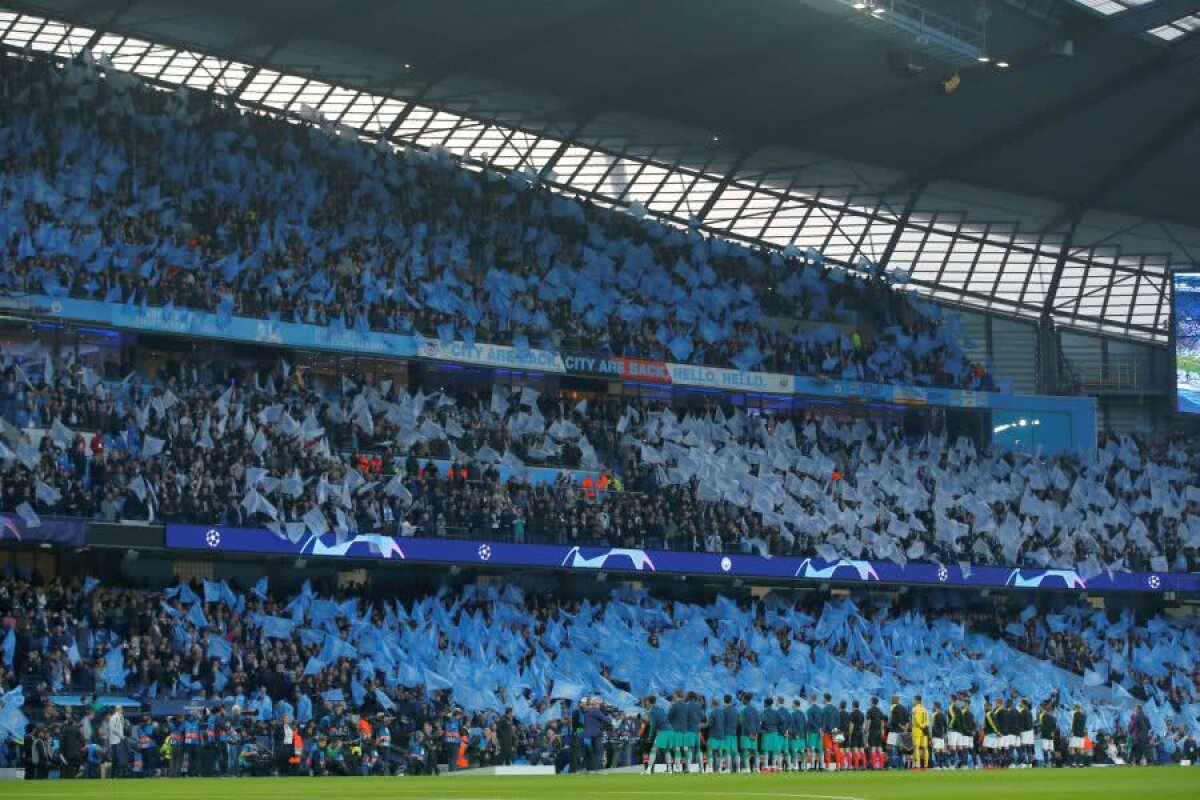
(1161, 783)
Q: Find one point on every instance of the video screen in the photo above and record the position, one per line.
(1187, 342)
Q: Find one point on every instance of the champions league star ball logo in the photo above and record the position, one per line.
(943, 574)
(726, 564)
(613, 558)
(213, 538)
(374, 544)
(842, 568)
(1154, 582)
(485, 552)
(1061, 578)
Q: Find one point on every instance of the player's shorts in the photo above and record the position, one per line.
(874, 739)
(894, 739)
(664, 740)
(813, 741)
(749, 743)
(1076, 743)
(952, 739)
(716, 743)
(1047, 744)
(1011, 740)
(991, 741)
(1027, 738)
(939, 745)
(856, 741)
(691, 739)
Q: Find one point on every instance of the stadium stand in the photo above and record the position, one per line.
(215, 444)
(116, 191)
(366, 683)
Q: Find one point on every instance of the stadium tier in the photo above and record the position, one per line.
(119, 192)
(334, 454)
(228, 446)
(488, 676)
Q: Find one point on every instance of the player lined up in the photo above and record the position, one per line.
(688, 734)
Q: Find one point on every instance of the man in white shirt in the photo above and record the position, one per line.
(116, 740)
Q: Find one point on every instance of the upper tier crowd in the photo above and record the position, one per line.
(480, 650)
(112, 190)
(301, 454)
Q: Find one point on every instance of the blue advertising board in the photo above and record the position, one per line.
(50, 530)
(613, 559)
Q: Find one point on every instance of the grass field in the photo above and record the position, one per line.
(1162, 783)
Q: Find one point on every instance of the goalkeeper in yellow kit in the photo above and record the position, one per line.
(920, 734)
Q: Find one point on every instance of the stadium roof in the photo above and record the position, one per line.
(774, 121)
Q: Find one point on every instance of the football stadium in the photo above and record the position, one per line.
(599, 399)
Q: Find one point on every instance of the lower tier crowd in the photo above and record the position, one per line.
(209, 679)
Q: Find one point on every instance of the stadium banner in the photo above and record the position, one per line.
(50, 530)
(490, 355)
(613, 559)
(618, 368)
(188, 322)
(729, 379)
(862, 391)
(668, 373)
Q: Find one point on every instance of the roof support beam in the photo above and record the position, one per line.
(906, 213)
(1064, 253)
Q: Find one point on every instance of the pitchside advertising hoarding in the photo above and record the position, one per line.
(1186, 316)
(624, 560)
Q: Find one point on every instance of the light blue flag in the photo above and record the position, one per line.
(333, 696)
(314, 666)
(212, 591)
(260, 588)
(114, 668)
(196, 616)
(357, 692)
(434, 681)
(12, 722)
(384, 701)
(219, 649)
(10, 647)
(304, 709)
(277, 627)
(73, 654)
(90, 584)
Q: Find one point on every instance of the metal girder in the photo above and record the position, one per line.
(910, 205)
(1060, 264)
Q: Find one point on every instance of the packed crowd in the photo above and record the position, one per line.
(346, 685)
(115, 191)
(225, 444)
